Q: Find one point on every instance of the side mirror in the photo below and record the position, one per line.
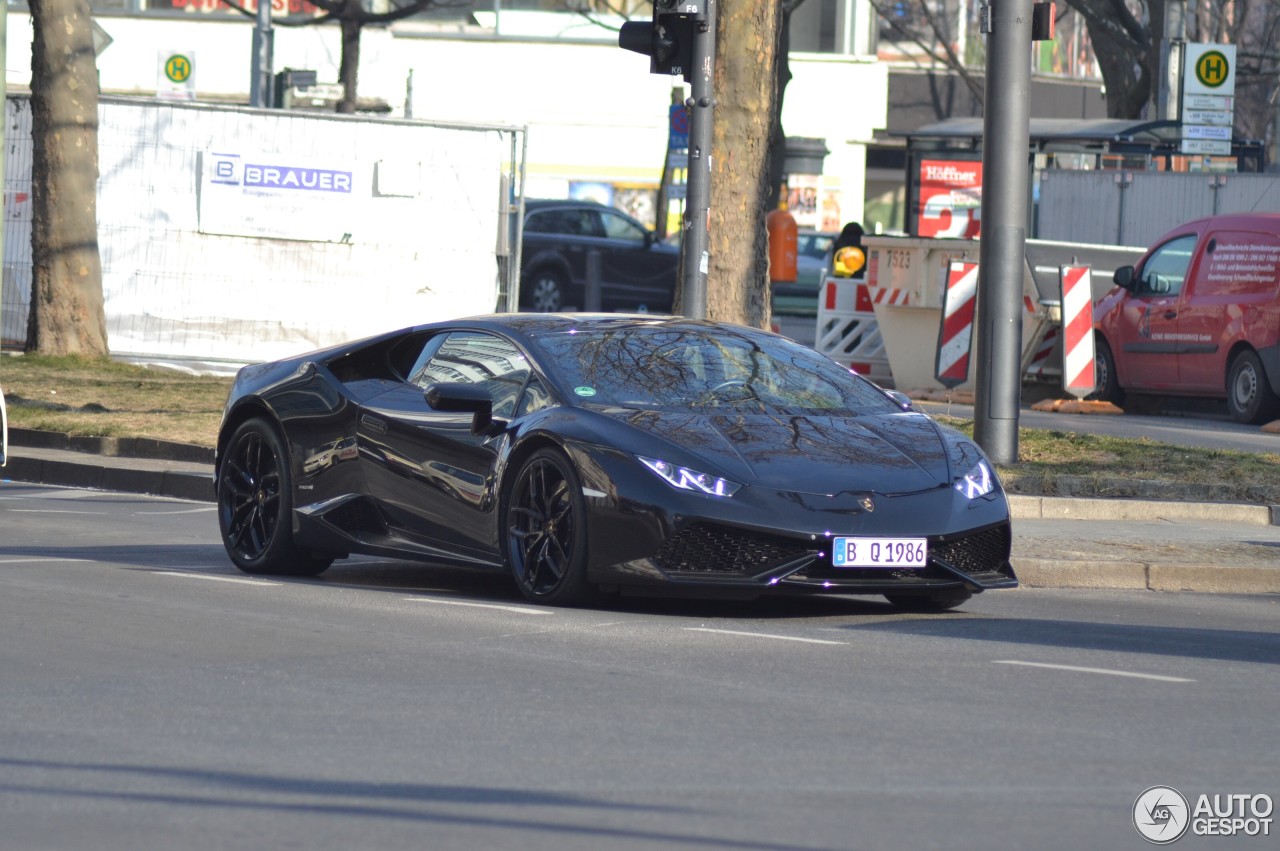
(457, 396)
(901, 398)
(1123, 278)
(650, 238)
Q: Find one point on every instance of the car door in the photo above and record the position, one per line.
(638, 272)
(1148, 324)
(559, 238)
(432, 475)
(1232, 284)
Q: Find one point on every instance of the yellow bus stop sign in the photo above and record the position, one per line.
(1212, 69)
(177, 68)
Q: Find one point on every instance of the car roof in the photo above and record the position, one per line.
(544, 203)
(524, 326)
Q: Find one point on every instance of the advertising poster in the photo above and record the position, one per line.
(950, 200)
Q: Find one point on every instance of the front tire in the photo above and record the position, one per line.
(1249, 395)
(940, 601)
(546, 537)
(255, 505)
(1106, 386)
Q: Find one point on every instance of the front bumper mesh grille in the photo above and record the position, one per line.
(708, 549)
(978, 555)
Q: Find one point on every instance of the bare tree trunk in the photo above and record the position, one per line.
(746, 95)
(67, 314)
(349, 65)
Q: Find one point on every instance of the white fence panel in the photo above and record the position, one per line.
(1137, 208)
(416, 240)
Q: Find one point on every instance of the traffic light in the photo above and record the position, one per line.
(668, 40)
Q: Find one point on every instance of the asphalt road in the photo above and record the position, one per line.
(151, 697)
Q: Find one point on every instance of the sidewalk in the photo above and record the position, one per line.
(1059, 542)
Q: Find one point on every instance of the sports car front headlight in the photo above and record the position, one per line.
(979, 481)
(690, 480)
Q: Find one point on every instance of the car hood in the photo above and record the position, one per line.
(890, 453)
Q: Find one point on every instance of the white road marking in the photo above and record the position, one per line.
(1107, 671)
(180, 511)
(32, 560)
(49, 511)
(517, 609)
(188, 575)
(762, 635)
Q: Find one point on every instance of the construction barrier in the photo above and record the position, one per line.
(1078, 367)
(847, 331)
(956, 331)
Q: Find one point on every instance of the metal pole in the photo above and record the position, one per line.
(697, 205)
(1169, 86)
(1005, 172)
(261, 57)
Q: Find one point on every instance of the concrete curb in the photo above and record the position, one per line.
(1141, 576)
(182, 484)
(1073, 508)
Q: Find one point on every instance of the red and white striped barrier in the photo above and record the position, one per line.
(847, 331)
(1040, 358)
(956, 330)
(1078, 377)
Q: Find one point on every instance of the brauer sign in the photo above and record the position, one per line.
(245, 193)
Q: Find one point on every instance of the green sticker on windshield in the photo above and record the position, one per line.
(585, 391)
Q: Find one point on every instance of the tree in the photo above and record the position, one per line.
(352, 17)
(66, 315)
(748, 101)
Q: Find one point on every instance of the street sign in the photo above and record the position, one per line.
(1206, 116)
(1223, 103)
(679, 122)
(1210, 69)
(1202, 131)
(176, 79)
(101, 38)
(1206, 146)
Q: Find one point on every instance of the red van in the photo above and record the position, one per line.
(1198, 316)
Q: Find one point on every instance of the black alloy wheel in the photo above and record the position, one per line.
(546, 533)
(255, 502)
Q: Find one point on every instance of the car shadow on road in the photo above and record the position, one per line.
(498, 587)
(1191, 642)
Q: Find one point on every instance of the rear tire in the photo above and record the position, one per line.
(939, 601)
(255, 505)
(1249, 395)
(544, 291)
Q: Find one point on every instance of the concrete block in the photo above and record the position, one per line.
(1056, 573)
(1214, 579)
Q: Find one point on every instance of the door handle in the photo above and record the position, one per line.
(1171, 314)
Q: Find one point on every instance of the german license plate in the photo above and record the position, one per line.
(879, 552)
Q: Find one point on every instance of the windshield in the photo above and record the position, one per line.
(698, 368)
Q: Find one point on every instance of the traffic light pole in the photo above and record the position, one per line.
(697, 205)
(1001, 251)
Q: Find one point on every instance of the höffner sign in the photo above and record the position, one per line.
(285, 197)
